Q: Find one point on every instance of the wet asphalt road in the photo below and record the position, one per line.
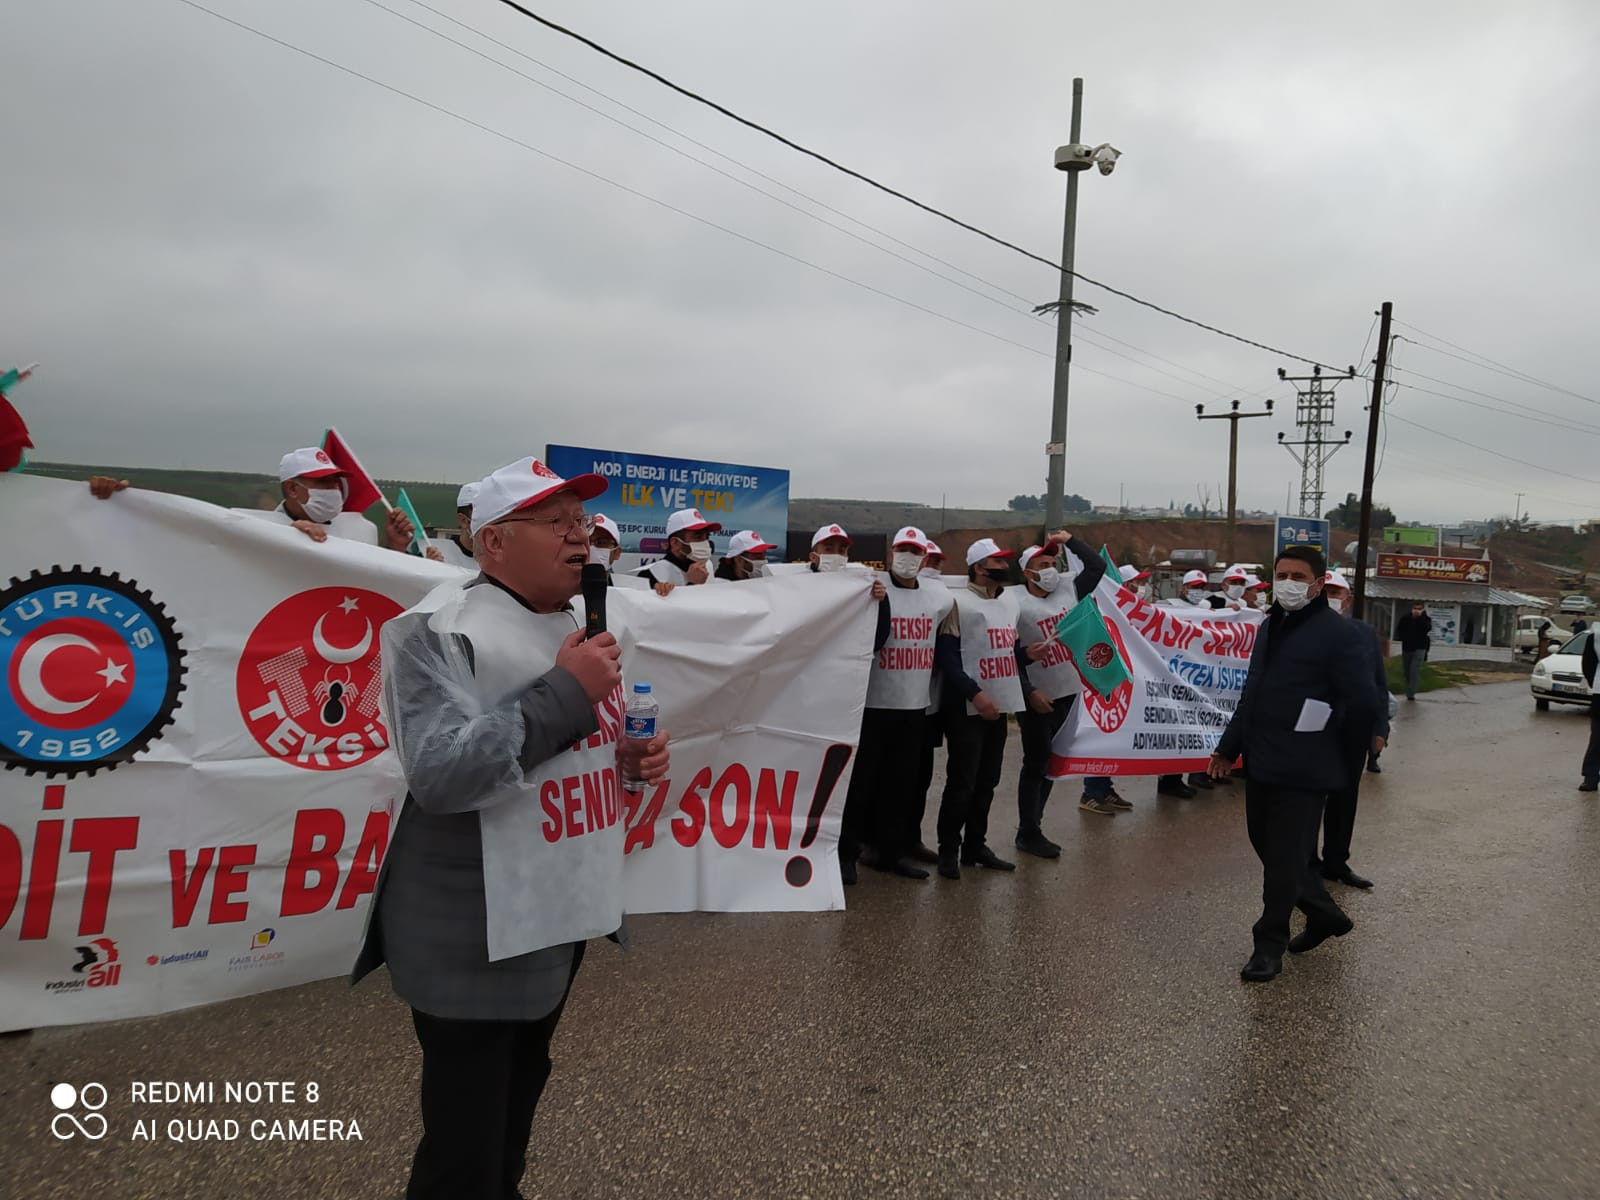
(1075, 1029)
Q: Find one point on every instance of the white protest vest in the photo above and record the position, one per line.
(902, 672)
(351, 526)
(664, 572)
(552, 843)
(452, 553)
(1037, 618)
(988, 647)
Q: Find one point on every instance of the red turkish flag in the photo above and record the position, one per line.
(361, 493)
(13, 436)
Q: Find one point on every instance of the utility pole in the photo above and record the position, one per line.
(1057, 450)
(1517, 520)
(1312, 415)
(1358, 606)
(1232, 418)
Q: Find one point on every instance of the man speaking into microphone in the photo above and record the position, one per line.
(505, 714)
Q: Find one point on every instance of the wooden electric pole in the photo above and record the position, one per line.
(1233, 418)
(1374, 410)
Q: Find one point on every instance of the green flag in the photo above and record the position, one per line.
(419, 537)
(1083, 631)
(1111, 564)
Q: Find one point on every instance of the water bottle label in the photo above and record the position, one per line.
(639, 727)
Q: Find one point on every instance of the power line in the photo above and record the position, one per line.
(1496, 453)
(1230, 391)
(1499, 368)
(1479, 480)
(883, 187)
(1491, 396)
(1571, 427)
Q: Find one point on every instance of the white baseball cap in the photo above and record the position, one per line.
(986, 548)
(933, 549)
(1130, 573)
(1033, 552)
(1196, 577)
(911, 536)
(689, 520)
(1251, 583)
(465, 497)
(601, 521)
(1336, 579)
(830, 531)
(1238, 573)
(309, 462)
(524, 482)
(748, 541)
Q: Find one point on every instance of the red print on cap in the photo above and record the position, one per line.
(834, 529)
(540, 469)
(322, 457)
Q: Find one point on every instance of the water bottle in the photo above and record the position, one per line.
(638, 727)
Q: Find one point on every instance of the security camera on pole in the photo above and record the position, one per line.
(1073, 159)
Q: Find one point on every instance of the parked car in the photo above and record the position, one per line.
(1526, 638)
(1576, 604)
(1559, 678)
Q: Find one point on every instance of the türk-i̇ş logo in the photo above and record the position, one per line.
(92, 671)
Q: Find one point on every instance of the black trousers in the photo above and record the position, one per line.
(481, 1081)
(1591, 756)
(1339, 816)
(1283, 830)
(1038, 732)
(977, 753)
(880, 807)
(932, 739)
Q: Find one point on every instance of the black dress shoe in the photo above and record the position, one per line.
(985, 857)
(1349, 878)
(1203, 782)
(1036, 843)
(1373, 767)
(1589, 785)
(949, 868)
(1261, 967)
(1315, 935)
(847, 871)
(905, 868)
(869, 856)
(1179, 789)
(920, 853)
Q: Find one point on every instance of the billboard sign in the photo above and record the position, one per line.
(1439, 570)
(646, 489)
(1301, 531)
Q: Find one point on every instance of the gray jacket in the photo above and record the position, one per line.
(428, 918)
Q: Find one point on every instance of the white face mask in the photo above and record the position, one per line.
(906, 565)
(1194, 595)
(831, 562)
(1049, 579)
(1235, 590)
(1291, 594)
(323, 504)
(930, 573)
(600, 555)
(700, 551)
(1142, 591)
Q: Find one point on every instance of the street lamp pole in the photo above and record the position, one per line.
(1057, 478)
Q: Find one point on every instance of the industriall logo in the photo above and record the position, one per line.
(99, 965)
(93, 667)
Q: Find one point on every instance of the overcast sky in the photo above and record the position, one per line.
(216, 246)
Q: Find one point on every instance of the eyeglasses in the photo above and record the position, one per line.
(559, 525)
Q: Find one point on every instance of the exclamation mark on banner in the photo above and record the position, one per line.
(798, 869)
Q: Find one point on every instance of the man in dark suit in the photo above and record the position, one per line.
(487, 693)
(1361, 748)
(1306, 688)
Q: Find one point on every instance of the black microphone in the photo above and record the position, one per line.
(594, 599)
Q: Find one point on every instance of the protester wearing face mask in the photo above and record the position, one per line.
(933, 562)
(746, 557)
(1360, 747)
(1234, 584)
(879, 807)
(1054, 684)
(1194, 600)
(1306, 687)
(1255, 593)
(983, 677)
(1194, 593)
(689, 549)
(933, 729)
(1135, 580)
(830, 549)
(313, 502)
(605, 543)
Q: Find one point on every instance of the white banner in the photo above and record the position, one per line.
(198, 790)
(1188, 667)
